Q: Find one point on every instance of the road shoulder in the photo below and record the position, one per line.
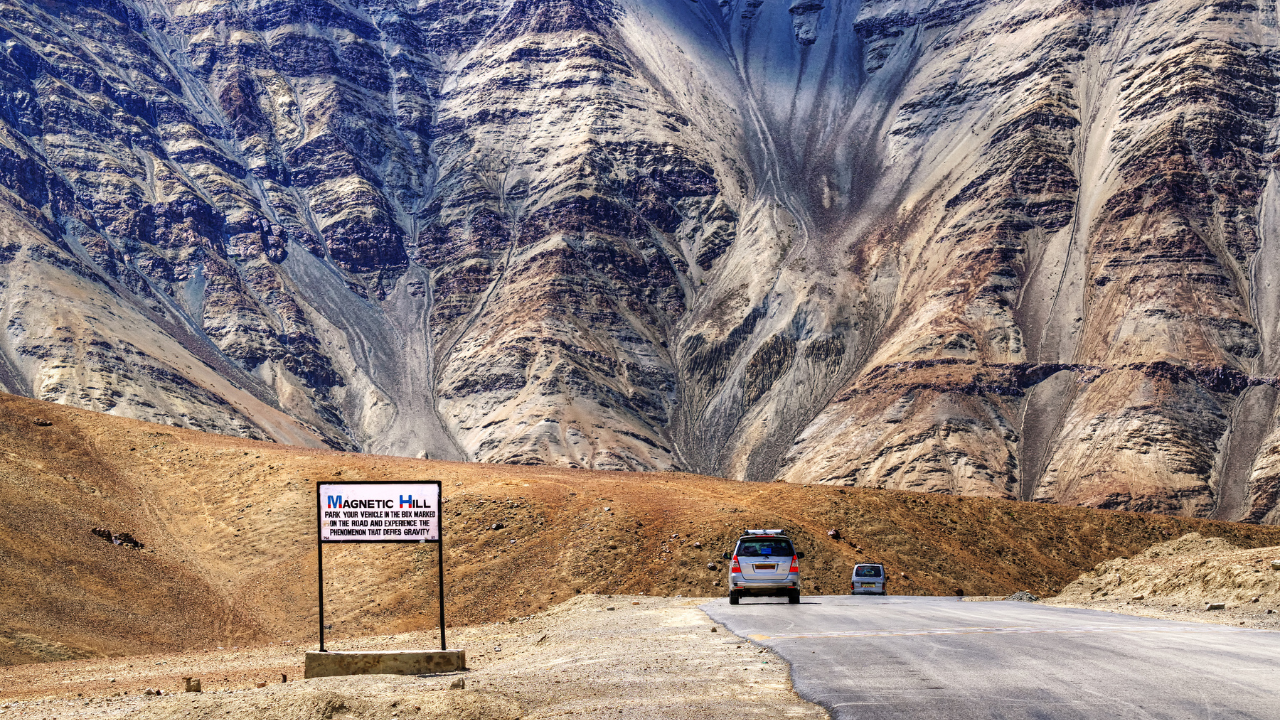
(595, 656)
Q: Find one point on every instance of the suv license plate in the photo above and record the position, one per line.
(770, 566)
(866, 584)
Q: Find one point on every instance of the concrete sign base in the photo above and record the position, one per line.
(384, 662)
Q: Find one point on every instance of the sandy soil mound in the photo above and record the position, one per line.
(1181, 577)
(229, 554)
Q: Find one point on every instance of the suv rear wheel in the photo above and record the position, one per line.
(733, 597)
(793, 597)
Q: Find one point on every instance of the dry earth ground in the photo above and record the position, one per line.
(593, 656)
(1178, 579)
(230, 555)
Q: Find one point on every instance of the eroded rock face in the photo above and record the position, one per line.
(1107, 215)
(805, 16)
(988, 247)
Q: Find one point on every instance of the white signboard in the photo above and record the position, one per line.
(379, 512)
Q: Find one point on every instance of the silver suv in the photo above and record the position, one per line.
(764, 563)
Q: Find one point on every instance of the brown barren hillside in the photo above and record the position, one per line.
(230, 553)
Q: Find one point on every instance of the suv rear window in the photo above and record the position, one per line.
(868, 571)
(765, 547)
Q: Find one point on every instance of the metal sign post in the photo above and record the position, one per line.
(378, 512)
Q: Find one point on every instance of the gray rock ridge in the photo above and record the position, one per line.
(1051, 260)
(986, 247)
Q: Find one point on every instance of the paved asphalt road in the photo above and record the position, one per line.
(927, 658)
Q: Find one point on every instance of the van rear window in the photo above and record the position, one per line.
(765, 547)
(873, 571)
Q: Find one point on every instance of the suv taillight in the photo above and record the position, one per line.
(795, 564)
(735, 567)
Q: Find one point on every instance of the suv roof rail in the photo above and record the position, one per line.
(778, 531)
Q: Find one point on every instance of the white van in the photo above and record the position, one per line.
(868, 579)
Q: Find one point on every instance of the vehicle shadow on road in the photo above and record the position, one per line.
(782, 602)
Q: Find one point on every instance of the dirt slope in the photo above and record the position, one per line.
(1179, 578)
(230, 555)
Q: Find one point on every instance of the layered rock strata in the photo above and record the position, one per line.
(988, 247)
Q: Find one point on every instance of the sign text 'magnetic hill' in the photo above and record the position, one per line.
(379, 512)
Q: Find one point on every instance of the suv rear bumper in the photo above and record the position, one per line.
(777, 587)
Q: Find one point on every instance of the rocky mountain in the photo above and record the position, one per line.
(1003, 248)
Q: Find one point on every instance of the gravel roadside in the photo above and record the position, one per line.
(1250, 616)
(595, 656)
(1181, 580)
